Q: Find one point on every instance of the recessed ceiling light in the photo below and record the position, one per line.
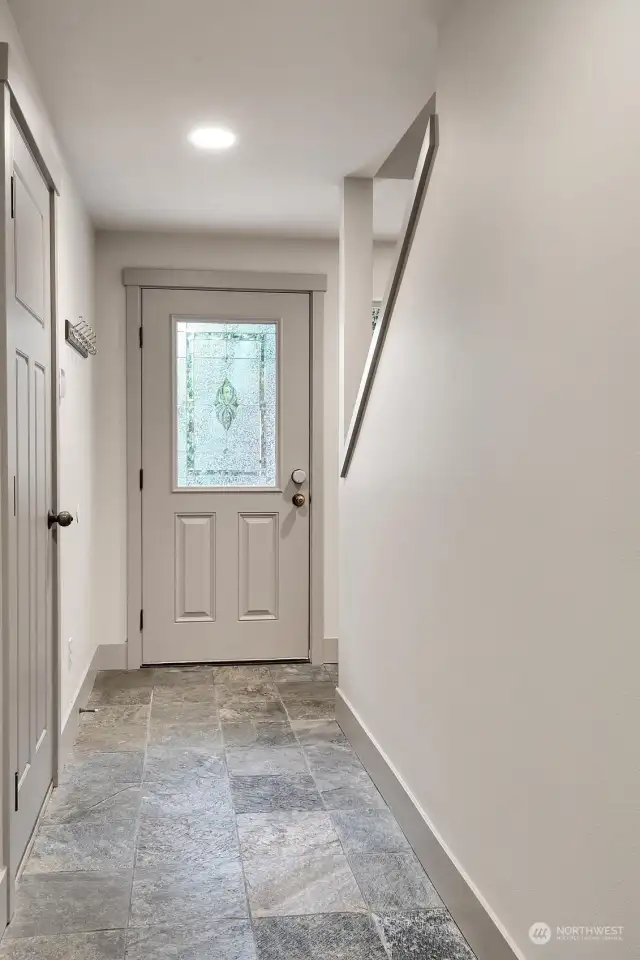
(212, 138)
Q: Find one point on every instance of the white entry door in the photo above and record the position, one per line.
(30, 682)
(225, 423)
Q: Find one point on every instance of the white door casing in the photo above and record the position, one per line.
(30, 642)
(225, 555)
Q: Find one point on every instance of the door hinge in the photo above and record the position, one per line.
(13, 198)
(16, 781)
(141, 620)
(140, 336)
(15, 498)
(141, 478)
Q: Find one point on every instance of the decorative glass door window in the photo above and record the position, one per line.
(226, 403)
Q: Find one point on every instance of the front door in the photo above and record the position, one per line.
(30, 685)
(225, 425)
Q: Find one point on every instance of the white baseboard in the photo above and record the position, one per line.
(111, 656)
(478, 926)
(70, 728)
(4, 899)
(106, 657)
(330, 650)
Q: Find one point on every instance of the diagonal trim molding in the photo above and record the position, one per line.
(420, 184)
(402, 161)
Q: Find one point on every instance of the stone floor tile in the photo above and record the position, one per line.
(283, 672)
(188, 894)
(340, 936)
(266, 710)
(102, 769)
(287, 834)
(231, 694)
(431, 934)
(264, 794)
(265, 761)
(52, 903)
(251, 733)
(117, 687)
(196, 691)
(213, 940)
(189, 841)
(289, 886)
(83, 846)
(329, 759)
(294, 690)
(317, 732)
(183, 736)
(208, 795)
(200, 713)
(348, 788)
(113, 729)
(369, 831)
(310, 709)
(92, 804)
(179, 675)
(249, 672)
(105, 945)
(182, 764)
(393, 882)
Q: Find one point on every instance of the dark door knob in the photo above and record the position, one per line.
(63, 519)
(298, 499)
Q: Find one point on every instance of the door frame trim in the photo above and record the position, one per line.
(137, 279)
(40, 142)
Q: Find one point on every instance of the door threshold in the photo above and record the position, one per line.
(220, 663)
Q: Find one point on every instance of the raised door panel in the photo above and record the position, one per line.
(41, 628)
(258, 567)
(195, 567)
(23, 560)
(30, 250)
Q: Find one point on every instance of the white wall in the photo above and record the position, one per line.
(114, 251)
(489, 525)
(75, 298)
(78, 445)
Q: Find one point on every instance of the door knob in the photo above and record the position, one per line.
(298, 476)
(63, 519)
(298, 499)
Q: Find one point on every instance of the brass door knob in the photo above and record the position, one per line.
(298, 499)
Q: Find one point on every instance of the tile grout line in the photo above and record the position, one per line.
(344, 850)
(369, 913)
(250, 916)
(138, 824)
(234, 815)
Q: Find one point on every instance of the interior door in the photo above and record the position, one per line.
(30, 686)
(225, 423)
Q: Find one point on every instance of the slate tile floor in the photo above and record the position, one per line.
(220, 814)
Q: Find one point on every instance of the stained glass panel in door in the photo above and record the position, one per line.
(226, 403)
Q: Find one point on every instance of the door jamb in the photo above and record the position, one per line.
(44, 153)
(135, 281)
